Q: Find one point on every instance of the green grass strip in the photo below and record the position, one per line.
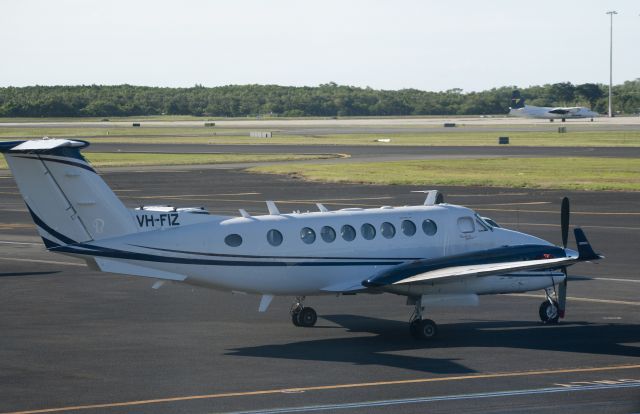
(583, 173)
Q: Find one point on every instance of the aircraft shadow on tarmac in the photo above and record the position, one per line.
(12, 274)
(393, 337)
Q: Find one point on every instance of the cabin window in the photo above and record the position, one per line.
(274, 237)
(328, 234)
(368, 231)
(429, 227)
(233, 240)
(408, 228)
(348, 233)
(308, 235)
(466, 225)
(387, 230)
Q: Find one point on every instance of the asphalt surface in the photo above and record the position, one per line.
(351, 125)
(78, 341)
(375, 152)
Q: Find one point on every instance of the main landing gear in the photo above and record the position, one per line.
(421, 329)
(301, 315)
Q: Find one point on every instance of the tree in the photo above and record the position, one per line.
(590, 92)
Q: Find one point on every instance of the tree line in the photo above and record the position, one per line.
(326, 100)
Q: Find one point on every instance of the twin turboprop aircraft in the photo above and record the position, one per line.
(434, 254)
(520, 109)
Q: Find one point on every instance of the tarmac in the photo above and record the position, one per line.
(77, 341)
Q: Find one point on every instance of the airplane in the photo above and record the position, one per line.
(520, 109)
(435, 254)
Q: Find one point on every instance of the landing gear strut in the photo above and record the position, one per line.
(301, 315)
(549, 310)
(422, 329)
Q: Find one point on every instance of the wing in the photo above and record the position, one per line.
(456, 272)
(477, 264)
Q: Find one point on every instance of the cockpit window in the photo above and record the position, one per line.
(466, 224)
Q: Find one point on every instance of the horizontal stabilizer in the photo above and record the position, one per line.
(116, 266)
(585, 251)
(47, 144)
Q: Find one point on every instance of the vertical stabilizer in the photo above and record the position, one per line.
(517, 101)
(68, 200)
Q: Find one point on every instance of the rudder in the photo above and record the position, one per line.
(68, 200)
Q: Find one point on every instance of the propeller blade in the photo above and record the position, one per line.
(562, 295)
(564, 221)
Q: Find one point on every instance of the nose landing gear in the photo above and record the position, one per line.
(301, 315)
(549, 310)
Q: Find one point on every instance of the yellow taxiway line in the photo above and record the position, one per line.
(329, 387)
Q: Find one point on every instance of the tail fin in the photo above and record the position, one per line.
(517, 101)
(67, 199)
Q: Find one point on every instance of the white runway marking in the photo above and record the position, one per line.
(13, 242)
(617, 280)
(588, 226)
(586, 213)
(457, 397)
(13, 259)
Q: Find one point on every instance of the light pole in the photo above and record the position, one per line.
(611, 13)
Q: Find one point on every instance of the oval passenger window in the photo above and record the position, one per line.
(368, 231)
(429, 227)
(274, 237)
(328, 234)
(408, 228)
(308, 235)
(233, 240)
(348, 233)
(387, 230)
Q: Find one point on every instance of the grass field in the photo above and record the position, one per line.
(202, 135)
(553, 173)
(99, 159)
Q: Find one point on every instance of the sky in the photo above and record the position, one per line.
(423, 44)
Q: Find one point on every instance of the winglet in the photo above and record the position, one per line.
(585, 251)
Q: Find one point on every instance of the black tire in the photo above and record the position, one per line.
(549, 312)
(307, 317)
(414, 328)
(424, 329)
(295, 318)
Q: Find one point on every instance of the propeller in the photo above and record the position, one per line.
(564, 221)
(564, 226)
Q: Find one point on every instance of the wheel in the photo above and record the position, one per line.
(414, 328)
(295, 315)
(307, 317)
(423, 329)
(549, 312)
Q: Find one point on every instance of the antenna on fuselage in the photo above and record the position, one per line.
(433, 197)
(322, 208)
(273, 209)
(244, 213)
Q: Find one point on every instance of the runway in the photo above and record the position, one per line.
(78, 341)
(377, 152)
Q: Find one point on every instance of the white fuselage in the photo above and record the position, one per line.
(543, 112)
(198, 251)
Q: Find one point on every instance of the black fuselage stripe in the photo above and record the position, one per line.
(277, 257)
